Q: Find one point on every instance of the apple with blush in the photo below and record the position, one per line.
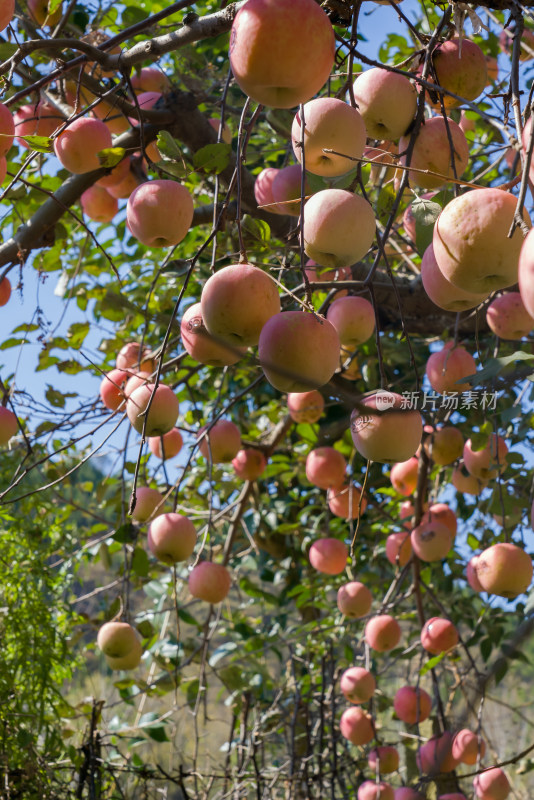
(339, 227)
(210, 582)
(221, 442)
(172, 538)
(358, 685)
(354, 600)
(305, 407)
(159, 213)
(249, 464)
(328, 555)
(382, 633)
(166, 446)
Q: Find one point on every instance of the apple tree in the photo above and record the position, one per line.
(266, 421)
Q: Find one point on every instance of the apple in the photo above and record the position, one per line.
(526, 45)
(127, 186)
(339, 227)
(466, 483)
(387, 102)
(382, 633)
(5, 290)
(147, 501)
(249, 464)
(353, 318)
(150, 79)
(116, 175)
(412, 704)
(286, 188)
(166, 446)
(441, 291)
(263, 190)
(38, 10)
(371, 790)
(446, 368)
(503, 569)
(145, 101)
(135, 381)
(305, 407)
(159, 213)
(7, 129)
(7, 12)
(39, 119)
(399, 548)
(221, 442)
(435, 755)
(163, 413)
(98, 204)
(394, 435)
(325, 467)
(526, 273)
(298, 351)
(357, 725)
(201, 345)
(492, 784)
(226, 134)
(328, 555)
(439, 635)
(329, 123)
(118, 639)
(508, 318)
(77, 146)
(432, 152)
(487, 462)
(460, 67)
(114, 120)
(444, 445)
(354, 599)
(471, 243)
(172, 538)
(209, 582)
(8, 425)
(270, 42)
(384, 759)
(112, 389)
(357, 684)
(405, 793)
(467, 125)
(440, 512)
(236, 303)
(467, 747)
(432, 540)
(403, 476)
(384, 160)
(346, 501)
(471, 575)
(133, 356)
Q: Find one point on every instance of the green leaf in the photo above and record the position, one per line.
(111, 156)
(494, 366)
(77, 333)
(212, 158)
(7, 49)
(169, 147)
(140, 562)
(42, 144)
(126, 533)
(431, 663)
(54, 397)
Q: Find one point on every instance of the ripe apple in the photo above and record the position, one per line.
(118, 639)
(439, 635)
(440, 512)
(446, 368)
(354, 599)
(487, 462)
(249, 464)
(357, 684)
(384, 758)
(221, 443)
(159, 213)
(503, 569)
(453, 796)
(5, 291)
(305, 407)
(325, 467)
(432, 152)
(7, 129)
(269, 43)
(467, 747)
(405, 793)
(163, 413)
(508, 318)
(112, 389)
(236, 303)
(127, 186)
(339, 227)
(466, 483)
(298, 351)
(471, 575)
(147, 501)
(38, 10)
(8, 425)
(39, 119)
(150, 79)
(286, 188)
(382, 633)
(98, 204)
(353, 318)
(492, 784)
(394, 435)
(435, 755)
(172, 538)
(399, 548)
(357, 725)
(135, 381)
(371, 790)
(444, 445)
(329, 123)
(328, 555)
(201, 345)
(403, 476)
(116, 175)
(412, 704)
(133, 356)
(526, 273)
(461, 68)
(7, 12)
(263, 190)
(471, 243)
(209, 582)
(145, 101)
(387, 102)
(166, 446)
(431, 540)
(441, 291)
(78, 145)
(226, 133)
(346, 501)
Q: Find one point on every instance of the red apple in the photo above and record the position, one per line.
(112, 389)
(221, 443)
(172, 538)
(5, 291)
(346, 501)
(98, 204)
(503, 569)
(526, 273)
(166, 446)
(508, 318)
(78, 145)
(209, 582)
(403, 476)
(8, 425)
(353, 318)
(382, 633)
(439, 635)
(7, 12)
(432, 152)
(432, 540)
(492, 784)
(387, 102)
(371, 790)
(354, 600)
(357, 684)
(436, 755)
(392, 435)
(150, 79)
(164, 407)
(357, 725)
(325, 467)
(159, 213)
(461, 68)
(467, 747)
(249, 464)
(446, 368)
(412, 704)
(201, 345)
(328, 555)
(39, 119)
(399, 548)
(305, 407)
(487, 462)
(339, 227)
(146, 503)
(441, 291)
